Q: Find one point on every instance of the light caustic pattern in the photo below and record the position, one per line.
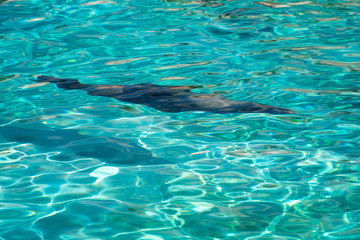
(75, 166)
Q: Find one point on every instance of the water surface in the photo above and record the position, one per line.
(75, 166)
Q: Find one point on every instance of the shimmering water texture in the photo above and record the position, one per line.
(77, 165)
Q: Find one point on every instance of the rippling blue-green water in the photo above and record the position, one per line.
(75, 166)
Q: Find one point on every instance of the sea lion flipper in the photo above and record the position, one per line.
(66, 83)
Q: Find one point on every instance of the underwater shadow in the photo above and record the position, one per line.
(72, 145)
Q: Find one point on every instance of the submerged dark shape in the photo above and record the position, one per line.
(166, 98)
(72, 145)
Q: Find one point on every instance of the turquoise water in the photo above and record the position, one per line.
(75, 166)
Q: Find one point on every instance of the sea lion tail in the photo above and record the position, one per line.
(66, 83)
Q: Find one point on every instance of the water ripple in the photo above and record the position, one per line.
(219, 176)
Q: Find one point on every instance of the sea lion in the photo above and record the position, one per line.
(172, 99)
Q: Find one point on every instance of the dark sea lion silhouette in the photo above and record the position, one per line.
(166, 98)
(72, 145)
